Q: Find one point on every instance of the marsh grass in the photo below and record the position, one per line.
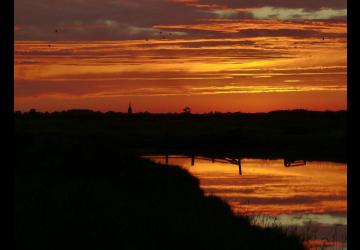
(308, 233)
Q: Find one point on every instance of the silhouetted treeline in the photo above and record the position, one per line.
(312, 135)
(80, 193)
(91, 113)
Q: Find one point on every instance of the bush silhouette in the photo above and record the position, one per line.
(73, 194)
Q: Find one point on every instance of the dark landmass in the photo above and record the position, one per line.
(299, 134)
(72, 193)
(80, 183)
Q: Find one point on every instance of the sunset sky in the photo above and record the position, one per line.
(163, 55)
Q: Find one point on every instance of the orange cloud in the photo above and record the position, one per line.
(234, 26)
(199, 67)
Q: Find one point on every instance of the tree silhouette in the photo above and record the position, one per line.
(187, 110)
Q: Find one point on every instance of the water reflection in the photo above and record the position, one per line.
(293, 191)
(231, 160)
(294, 163)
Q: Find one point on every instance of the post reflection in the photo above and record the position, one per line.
(230, 160)
(293, 163)
(291, 190)
(288, 162)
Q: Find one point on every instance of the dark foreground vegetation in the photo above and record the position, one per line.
(301, 134)
(80, 183)
(72, 192)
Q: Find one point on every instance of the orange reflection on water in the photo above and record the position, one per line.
(268, 187)
(322, 244)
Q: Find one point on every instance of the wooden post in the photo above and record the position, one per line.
(167, 159)
(193, 160)
(286, 162)
(239, 163)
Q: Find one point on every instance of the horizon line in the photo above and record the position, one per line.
(182, 112)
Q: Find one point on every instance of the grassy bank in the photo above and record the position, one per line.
(75, 192)
(300, 134)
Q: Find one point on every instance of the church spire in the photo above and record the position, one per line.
(129, 109)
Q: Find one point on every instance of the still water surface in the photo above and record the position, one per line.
(311, 198)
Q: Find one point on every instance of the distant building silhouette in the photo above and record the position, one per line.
(130, 109)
